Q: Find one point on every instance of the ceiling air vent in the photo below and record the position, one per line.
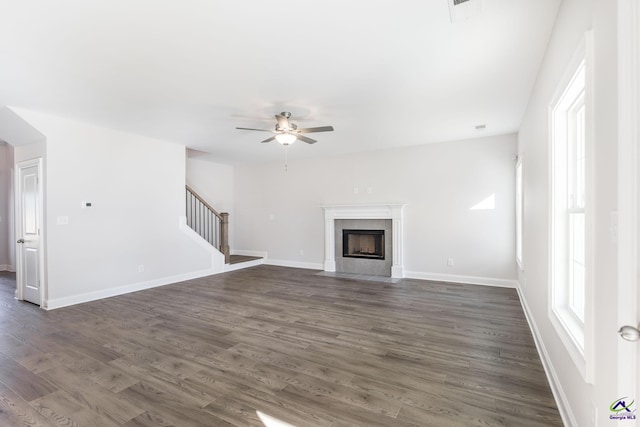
(461, 10)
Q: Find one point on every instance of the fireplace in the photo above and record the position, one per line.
(364, 217)
(367, 244)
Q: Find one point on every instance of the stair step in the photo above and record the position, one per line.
(236, 259)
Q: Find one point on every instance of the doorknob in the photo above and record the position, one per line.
(629, 333)
(20, 240)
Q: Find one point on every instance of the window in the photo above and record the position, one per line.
(575, 207)
(519, 214)
(569, 194)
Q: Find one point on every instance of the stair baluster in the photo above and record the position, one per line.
(207, 222)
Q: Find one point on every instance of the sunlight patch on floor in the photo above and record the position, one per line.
(269, 421)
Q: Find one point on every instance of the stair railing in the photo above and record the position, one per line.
(208, 223)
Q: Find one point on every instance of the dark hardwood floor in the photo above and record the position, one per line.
(305, 349)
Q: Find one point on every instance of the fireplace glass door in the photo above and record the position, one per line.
(363, 244)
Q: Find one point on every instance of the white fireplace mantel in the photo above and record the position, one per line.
(392, 211)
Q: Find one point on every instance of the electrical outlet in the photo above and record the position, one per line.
(450, 262)
(141, 268)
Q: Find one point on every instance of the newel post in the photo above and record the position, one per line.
(224, 237)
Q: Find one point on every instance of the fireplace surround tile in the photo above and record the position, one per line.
(374, 267)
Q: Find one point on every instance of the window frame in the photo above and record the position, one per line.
(519, 214)
(576, 333)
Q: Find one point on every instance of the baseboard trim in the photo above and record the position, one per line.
(455, 278)
(451, 278)
(568, 419)
(7, 267)
(295, 264)
(53, 304)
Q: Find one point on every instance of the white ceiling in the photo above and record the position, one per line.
(383, 73)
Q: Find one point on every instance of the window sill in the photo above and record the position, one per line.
(571, 333)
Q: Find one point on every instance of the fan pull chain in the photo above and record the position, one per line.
(286, 158)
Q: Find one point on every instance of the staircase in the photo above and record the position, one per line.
(211, 225)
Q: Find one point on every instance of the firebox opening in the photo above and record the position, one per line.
(363, 244)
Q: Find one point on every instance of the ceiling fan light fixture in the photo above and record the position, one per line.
(286, 133)
(286, 138)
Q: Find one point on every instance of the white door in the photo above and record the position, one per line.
(28, 229)
(629, 214)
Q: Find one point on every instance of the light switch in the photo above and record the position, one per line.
(62, 220)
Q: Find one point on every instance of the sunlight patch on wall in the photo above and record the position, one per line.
(487, 204)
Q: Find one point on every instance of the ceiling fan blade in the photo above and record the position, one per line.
(305, 139)
(269, 139)
(261, 130)
(318, 129)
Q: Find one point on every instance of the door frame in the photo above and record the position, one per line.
(18, 228)
(628, 192)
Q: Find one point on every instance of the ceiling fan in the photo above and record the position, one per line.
(286, 133)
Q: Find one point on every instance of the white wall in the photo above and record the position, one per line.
(136, 186)
(214, 182)
(578, 398)
(279, 212)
